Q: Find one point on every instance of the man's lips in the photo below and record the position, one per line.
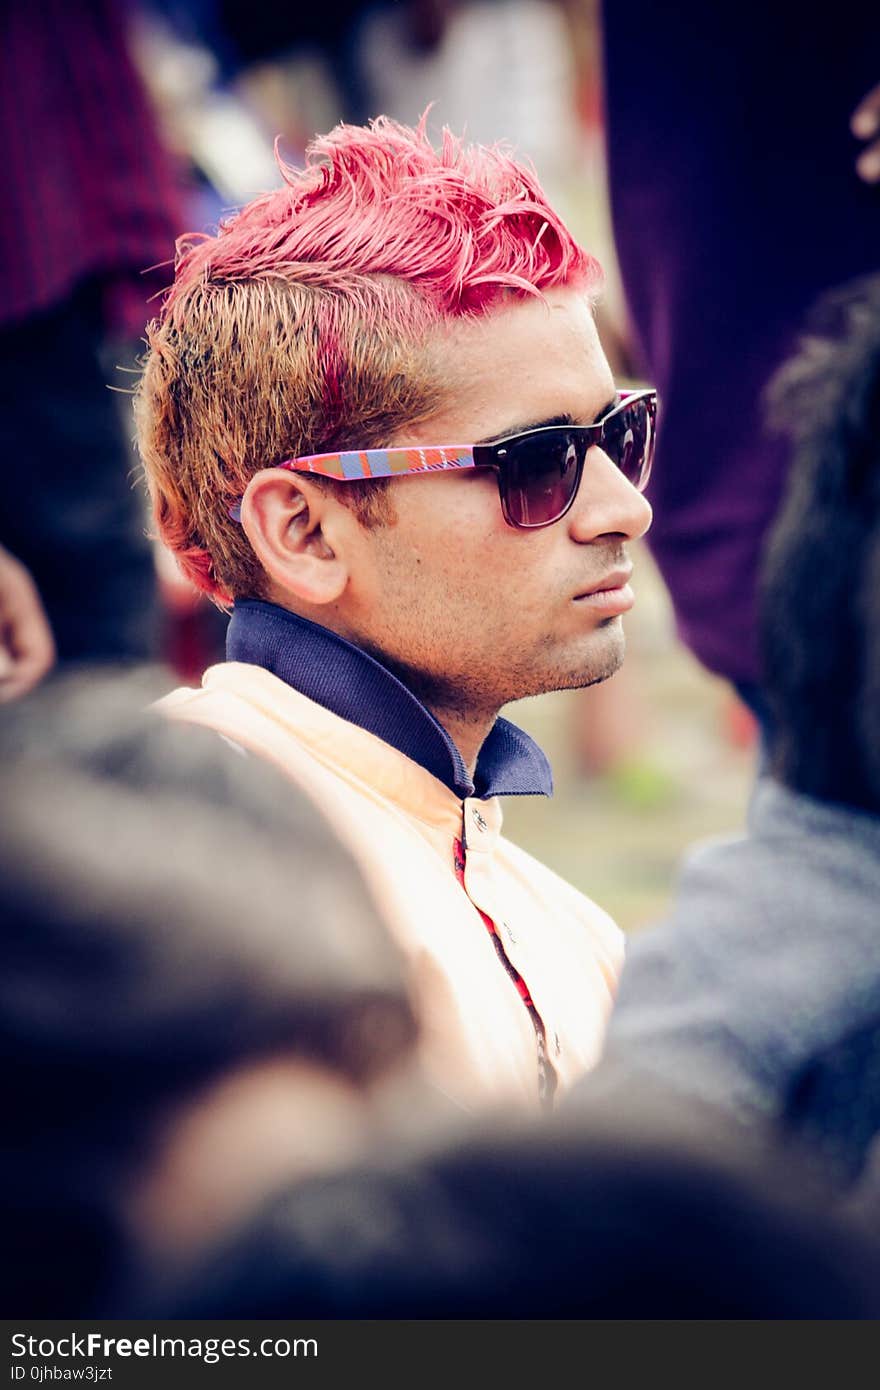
(612, 593)
(614, 579)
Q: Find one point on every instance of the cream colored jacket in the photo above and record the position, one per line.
(479, 1042)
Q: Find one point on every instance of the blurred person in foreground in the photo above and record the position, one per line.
(198, 1002)
(376, 418)
(209, 1059)
(762, 992)
(646, 1206)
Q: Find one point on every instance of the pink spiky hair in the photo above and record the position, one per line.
(459, 223)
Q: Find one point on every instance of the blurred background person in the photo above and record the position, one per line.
(199, 1000)
(91, 209)
(27, 648)
(736, 200)
(865, 126)
(762, 992)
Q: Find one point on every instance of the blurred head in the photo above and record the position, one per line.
(820, 601)
(639, 1204)
(391, 295)
(198, 998)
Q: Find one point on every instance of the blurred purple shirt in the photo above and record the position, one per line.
(735, 204)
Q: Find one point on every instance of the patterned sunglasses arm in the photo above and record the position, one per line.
(383, 463)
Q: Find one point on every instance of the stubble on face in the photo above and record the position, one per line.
(469, 660)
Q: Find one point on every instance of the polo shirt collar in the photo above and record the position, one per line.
(349, 682)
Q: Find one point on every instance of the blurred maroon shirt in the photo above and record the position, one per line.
(89, 191)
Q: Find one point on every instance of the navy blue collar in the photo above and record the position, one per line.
(351, 683)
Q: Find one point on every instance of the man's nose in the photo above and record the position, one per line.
(607, 504)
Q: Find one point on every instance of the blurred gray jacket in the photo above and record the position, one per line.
(761, 994)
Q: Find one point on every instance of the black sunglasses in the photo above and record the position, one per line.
(539, 471)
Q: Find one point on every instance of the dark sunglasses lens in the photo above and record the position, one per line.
(540, 477)
(628, 440)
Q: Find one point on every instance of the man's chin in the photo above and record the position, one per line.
(591, 677)
(604, 658)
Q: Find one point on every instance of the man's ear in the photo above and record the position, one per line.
(290, 523)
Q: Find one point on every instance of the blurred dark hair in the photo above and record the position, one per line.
(171, 907)
(639, 1204)
(820, 596)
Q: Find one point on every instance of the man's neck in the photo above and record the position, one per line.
(467, 731)
(434, 726)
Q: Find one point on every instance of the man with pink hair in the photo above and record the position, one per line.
(376, 419)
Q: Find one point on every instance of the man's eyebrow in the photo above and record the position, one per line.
(565, 419)
(535, 425)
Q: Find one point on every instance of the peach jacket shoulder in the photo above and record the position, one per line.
(479, 1043)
